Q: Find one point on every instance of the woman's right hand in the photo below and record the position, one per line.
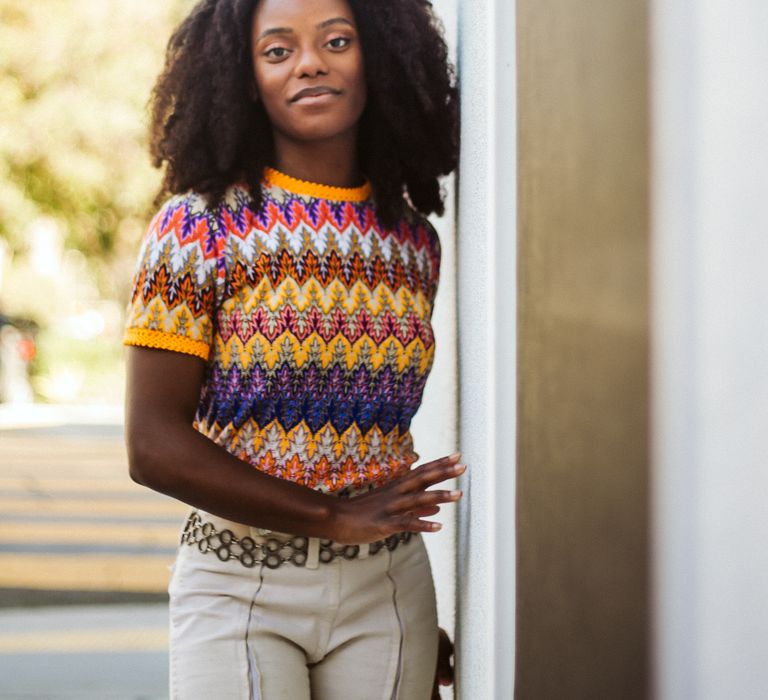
(398, 506)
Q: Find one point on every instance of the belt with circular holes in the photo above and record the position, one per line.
(274, 551)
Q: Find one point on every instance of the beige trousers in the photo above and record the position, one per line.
(360, 629)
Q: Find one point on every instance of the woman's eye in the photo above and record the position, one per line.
(276, 52)
(339, 42)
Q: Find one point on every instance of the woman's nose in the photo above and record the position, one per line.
(310, 63)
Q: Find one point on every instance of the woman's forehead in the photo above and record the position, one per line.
(296, 15)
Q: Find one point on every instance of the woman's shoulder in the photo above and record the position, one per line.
(422, 229)
(192, 207)
(191, 200)
(179, 208)
(427, 245)
(185, 221)
(236, 195)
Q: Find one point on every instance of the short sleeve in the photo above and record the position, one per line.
(173, 299)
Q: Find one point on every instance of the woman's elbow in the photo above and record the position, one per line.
(144, 459)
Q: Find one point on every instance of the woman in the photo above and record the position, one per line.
(279, 341)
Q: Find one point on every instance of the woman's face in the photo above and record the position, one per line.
(308, 67)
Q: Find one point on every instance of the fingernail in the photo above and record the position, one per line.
(454, 456)
(436, 526)
(455, 494)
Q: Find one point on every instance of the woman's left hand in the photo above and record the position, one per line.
(444, 673)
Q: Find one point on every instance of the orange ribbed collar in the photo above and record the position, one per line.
(314, 189)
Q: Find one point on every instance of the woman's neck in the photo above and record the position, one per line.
(331, 162)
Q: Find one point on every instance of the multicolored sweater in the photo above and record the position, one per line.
(314, 321)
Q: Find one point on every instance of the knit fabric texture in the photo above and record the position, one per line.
(313, 319)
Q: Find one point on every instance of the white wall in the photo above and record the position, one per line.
(487, 353)
(474, 565)
(710, 353)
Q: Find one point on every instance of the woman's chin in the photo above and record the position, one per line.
(318, 127)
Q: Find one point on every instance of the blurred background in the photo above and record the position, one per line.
(84, 552)
(75, 188)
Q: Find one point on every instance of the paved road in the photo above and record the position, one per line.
(84, 653)
(74, 529)
(72, 520)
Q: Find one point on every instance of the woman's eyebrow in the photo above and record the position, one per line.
(274, 30)
(288, 30)
(334, 20)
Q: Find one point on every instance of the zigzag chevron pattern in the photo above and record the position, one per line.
(314, 321)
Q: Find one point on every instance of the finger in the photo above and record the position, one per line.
(426, 512)
(445, 674)
(445, 669)
(427, 475)
(410, 522)
(422, 499)
(454, 458)
(436, 689)
(442, 462)
(445, 644)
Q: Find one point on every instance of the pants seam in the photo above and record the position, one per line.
(399, 668)
(254, 681)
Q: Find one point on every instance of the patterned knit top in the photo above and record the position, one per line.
(314, 321)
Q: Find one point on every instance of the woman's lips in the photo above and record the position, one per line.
(315, 92)
(309, 100)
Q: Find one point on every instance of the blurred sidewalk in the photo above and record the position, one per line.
(115, 652)
(74, 528)
(14, 416)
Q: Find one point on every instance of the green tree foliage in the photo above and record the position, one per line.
(75, 78)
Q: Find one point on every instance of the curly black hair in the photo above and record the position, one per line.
(209, 134)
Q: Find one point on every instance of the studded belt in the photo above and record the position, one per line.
(275, 551)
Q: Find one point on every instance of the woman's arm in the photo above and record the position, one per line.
(166, 454)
